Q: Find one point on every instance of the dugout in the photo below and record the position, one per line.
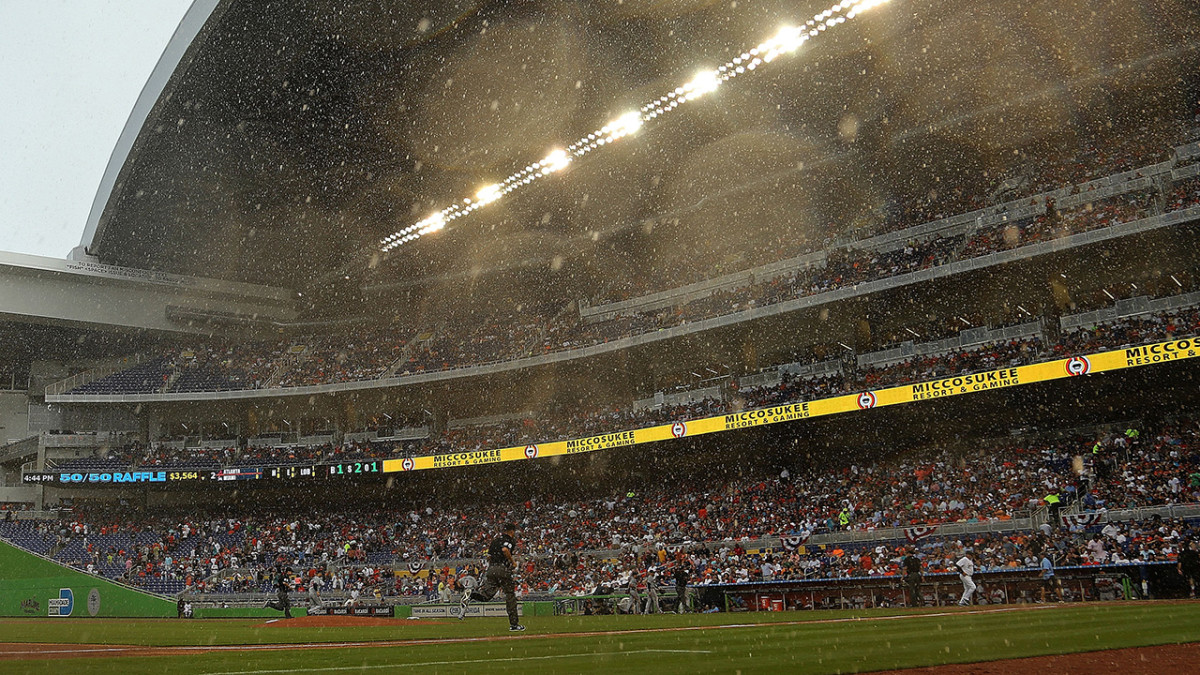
(1157, 580)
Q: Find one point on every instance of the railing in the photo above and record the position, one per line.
(1187, 151)
(1022, 253)
(1128, 308)
(1005, 586)
(700, 289)
(680, 397)
(80, 379)
(1012, 210)
(965, 339)
(882, 534)
(488, 419)
(1017, 209)
(32, 515)
(89, 440)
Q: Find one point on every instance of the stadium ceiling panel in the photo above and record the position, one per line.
(280, 142)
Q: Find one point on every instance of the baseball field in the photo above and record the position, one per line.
(1160, 637)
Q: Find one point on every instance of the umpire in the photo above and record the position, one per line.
(498, 577)
(912, 578)
(283, 587)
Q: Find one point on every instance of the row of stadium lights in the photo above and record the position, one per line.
(785, 42)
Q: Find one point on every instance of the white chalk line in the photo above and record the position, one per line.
(132, 650)
(461, 662)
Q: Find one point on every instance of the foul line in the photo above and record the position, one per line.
(140, 650)
(465, 661)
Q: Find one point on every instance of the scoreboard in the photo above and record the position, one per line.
(168, 477)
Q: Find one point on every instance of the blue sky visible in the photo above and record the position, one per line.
(70, 72)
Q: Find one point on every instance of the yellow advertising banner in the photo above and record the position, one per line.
(1173, 350)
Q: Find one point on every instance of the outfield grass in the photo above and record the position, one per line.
(850, 642)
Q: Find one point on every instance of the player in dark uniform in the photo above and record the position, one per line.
(283, 587)
(1189, 566)
(912, 578)
(498, 577)
(681, 580)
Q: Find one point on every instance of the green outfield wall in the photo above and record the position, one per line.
(32, 586)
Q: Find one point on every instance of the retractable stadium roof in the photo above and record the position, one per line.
(281, 142)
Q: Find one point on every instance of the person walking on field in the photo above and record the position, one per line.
(498, 577)
(681, 580)
(634, 597)
(652, 606)
(912, 578)
(1188, 566)
(966, 569)
(1049, 582)
(283, 603)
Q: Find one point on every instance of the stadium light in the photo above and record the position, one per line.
(786, 41)
(860, 7)
(555, 161)
(488, 194)
(704, 83)
(624, 125)
(434, 223)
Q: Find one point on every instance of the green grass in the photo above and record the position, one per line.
(869, 641)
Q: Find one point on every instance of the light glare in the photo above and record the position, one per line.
(488, 194)
(787, 40)
(704, 83)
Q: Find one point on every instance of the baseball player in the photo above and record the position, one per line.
(635, 598)
(499, 576)
(966, 569)
(652, 606)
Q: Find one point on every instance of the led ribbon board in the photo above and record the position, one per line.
(1160, 352)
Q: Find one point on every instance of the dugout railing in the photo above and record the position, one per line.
(1138, 580)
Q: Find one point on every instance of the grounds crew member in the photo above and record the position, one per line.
(498, 577)
(1053, 504)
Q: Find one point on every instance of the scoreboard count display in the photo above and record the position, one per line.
(184, 476)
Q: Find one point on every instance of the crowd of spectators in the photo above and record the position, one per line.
(1151, 540)
(571, 544)
(364, 356)
(1185, 195)
(504, 334)
(563, 422)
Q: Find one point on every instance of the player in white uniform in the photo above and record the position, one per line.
(966, 569)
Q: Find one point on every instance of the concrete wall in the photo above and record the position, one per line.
(14, 416)
(48, 289)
